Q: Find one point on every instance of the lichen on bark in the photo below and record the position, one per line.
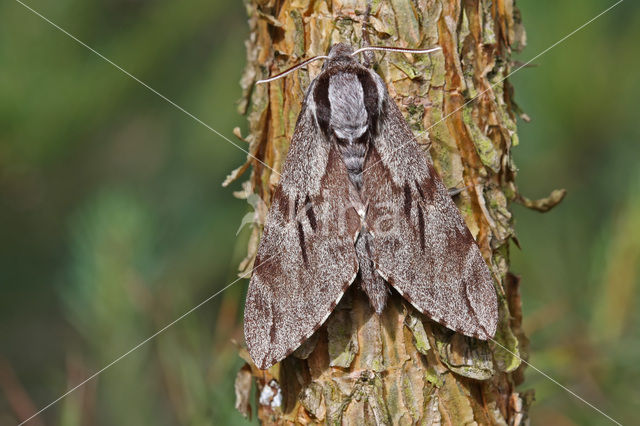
(399, 367)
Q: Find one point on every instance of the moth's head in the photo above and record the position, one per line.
(341, 51)
(339, 56)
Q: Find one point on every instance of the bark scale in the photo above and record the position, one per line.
(397, 368)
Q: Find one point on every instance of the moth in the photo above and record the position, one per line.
(358, 203)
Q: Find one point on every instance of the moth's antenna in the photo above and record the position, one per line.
(395, 49)
(290, 70)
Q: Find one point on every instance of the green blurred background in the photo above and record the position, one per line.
(113, 221)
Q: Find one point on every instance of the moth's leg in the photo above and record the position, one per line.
(455, 191)
(368, 57)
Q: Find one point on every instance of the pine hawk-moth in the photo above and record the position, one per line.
(359, 203)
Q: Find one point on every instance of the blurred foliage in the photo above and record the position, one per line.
(114, 224)
(580, 262)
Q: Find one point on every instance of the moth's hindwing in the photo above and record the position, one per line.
(420, 244)
(306, 258)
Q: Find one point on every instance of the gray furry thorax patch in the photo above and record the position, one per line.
(348, 112)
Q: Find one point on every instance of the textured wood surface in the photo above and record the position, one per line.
(397, 368)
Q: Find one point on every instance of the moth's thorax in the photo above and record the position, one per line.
(349, 118)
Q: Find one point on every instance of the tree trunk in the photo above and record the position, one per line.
(400, 367)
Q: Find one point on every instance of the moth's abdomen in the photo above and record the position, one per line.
(370, 281)
(353, 155)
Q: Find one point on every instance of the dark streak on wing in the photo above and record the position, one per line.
(407, 200)
(419, 190)
(303, 248)
(308, 207)
(421, 227)
(272, 329)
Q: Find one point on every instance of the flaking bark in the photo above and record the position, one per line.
(397, 368)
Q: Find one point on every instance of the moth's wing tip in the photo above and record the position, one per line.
(494, 317)
(486, 333)
(483, 301)
(488, 324)
(265, 365)
(256, 322)
(491, 332)
(263, 359)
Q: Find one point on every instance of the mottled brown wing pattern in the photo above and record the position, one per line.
(306, 258)
(420, 242)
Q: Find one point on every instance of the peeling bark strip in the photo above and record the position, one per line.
(397, 368)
